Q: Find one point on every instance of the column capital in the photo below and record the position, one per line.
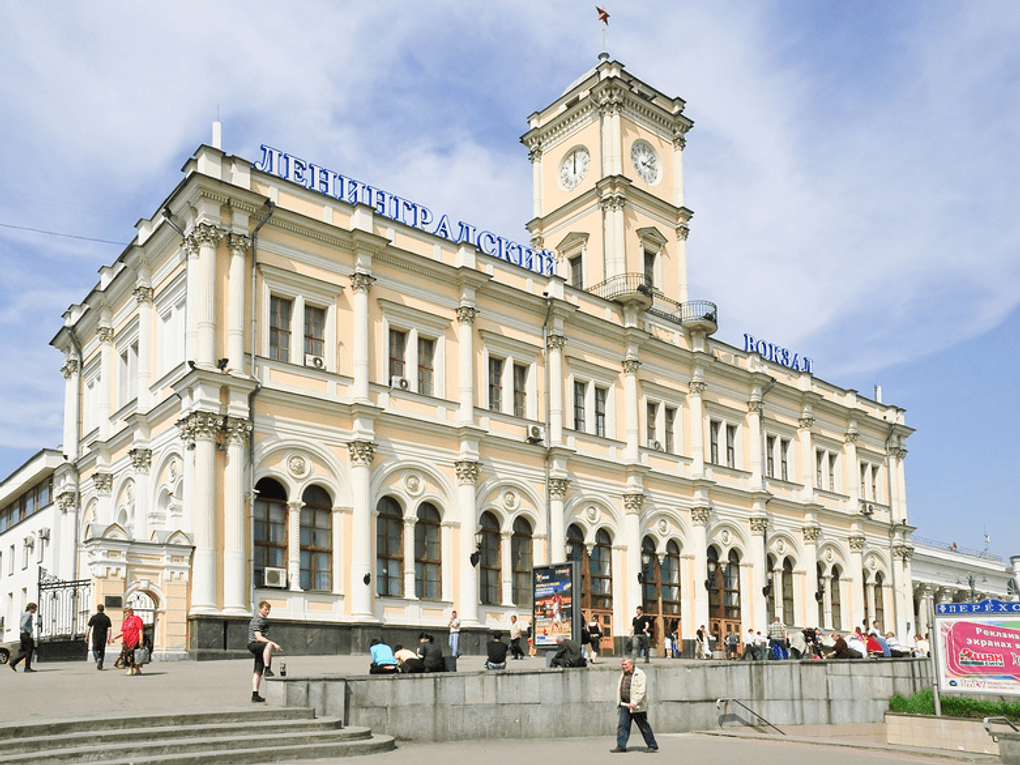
(466, 314)
(759, 525)
(696, 387)
(612, 202)
(631, 366)
(103, 483)
(143, 295)
(105, 334)
(70, 368)
(238, 243)
(903, 551)
(679, 139)
(700, 516)
(811, 533)
(361, 282)
(467, 471)
(237, 430)
(204, 234)
(204, 426)
(755, 405)
(558, 487)
(361, 453)
(141, 459)
(806, 422)
(633, 503)
(683, 231)
(295, 505)
(556, 342)
(898, 452)
(66, 500)
(856, 543)
(535, 153)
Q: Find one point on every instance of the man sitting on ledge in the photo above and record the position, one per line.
(568, 654)
(383, 660)
(496, 650)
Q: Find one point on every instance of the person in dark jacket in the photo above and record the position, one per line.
(568, 654)
(495, 651)
(431, 654)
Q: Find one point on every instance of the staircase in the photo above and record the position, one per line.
(195, 738)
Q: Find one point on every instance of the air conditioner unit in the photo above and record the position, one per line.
(657, 446)
(536, 434)
(275, 577)
(315, 361)
(400, 382)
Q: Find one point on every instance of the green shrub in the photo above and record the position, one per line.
(923, 703)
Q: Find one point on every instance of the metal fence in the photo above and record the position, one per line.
(64, 607)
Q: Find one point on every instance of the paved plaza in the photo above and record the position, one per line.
(76, 689)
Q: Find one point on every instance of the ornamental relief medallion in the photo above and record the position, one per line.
(724, 536)
(510, 500)
(414, 484)
(298, 466)
(780, 547)
(592, 513)
(663, 526)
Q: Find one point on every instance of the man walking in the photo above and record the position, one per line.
(631, 702)
(27, 641)
(515, 638)
(99, 628)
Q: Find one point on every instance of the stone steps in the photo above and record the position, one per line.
(239, 736)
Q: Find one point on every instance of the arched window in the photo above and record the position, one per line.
(880, 600)
(428, 572)
(270, 528)
(820, 571)
(649, 578)
(489, 567)
(788, 616)
(724, 593)
(389, 549)
(521, 553)
(601, 569)
(575, 543)
(835, 596)
(316, 540)
(671, 580)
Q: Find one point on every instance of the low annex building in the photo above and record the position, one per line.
(298, 387)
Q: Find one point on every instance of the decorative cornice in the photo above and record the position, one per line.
(361, 453)
(71, 367)
(811, 533)
(143, 295)
(856, 543)
(631, 366)
(467, 471)
(361, 282)
(466, 314)
(558, 487)
(700, 516)
(141, 459)
(103, 483)
(632, 503)
(556, 342)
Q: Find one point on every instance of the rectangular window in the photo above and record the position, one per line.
(495, 384)
(670, 434)
(576, 273)
(651, 431)
(864, 479)
(713, 441)
(770, 459)
(874, 483)
(279, 328)
(819, 464)
(398, 347)
(580, 394)
(316, 549)
(601, 395)
(731, 446)
(520, 390)
(127, 382)
(315, 331)
(650, 267)
(832, 472)
(784, 465)
(426, 365)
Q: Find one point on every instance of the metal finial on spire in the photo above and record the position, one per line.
(604, 18)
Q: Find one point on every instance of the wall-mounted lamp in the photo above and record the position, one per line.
(221, 364)
(767, 590)
(476, 556)
(367, 579)
(713, 566)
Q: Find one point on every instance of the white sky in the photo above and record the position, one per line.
(853, 170)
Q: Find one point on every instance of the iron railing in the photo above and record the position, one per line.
(623, 284)
(719, 703)
(64, 606)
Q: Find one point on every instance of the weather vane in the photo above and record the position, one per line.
(604, 18)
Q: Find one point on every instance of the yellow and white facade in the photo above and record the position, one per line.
(297, 387)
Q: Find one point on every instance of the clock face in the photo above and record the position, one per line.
(646, 162)
(574, 167)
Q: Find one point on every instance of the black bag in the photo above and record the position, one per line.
(585, 636)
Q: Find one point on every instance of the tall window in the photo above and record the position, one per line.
(398, 349)
(428, 575)
(879, 599)
(426, 365)
(315, 330)
(279, 328)
(316, 540)
(669, 443)
(601, 569)
(825, 470)
(389, 549)
(770, 458)
(521, 553)
(650, 267)
(488, 564)
(580, 393)
(495, 384)
(671, 580)
(788, 616)
(714, 426)
(649, 577)
(270, 527)
(520, 390)
(651, 417)
(600, 410)
(784, 459)
(576, 272)
(835, 598)
(731, 446)
(820, 573)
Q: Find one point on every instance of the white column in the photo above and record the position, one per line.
(72, 406)
(556, 548)
(338, 548)
(203, 429)
(141, 461)
(853, 469)
(360, 455)
(235, 301)
(108, 377)
(467, 600)
(811, 532)
(869, 597)
(360, 285)
(409, 562)
(807, 456)
(904, 611)
(630, 406)
(235, 569)
(632, 505)
(759, 569)
(697, 388)
(827, 603)
(753, 423)
(555, 343)
(855, 608)
(679, 143)
(205, 237)
(466, 315)
(191, 313)
(682, 232)
(294, 544)
(506, 569)
(143, 296)
(699, 541)
(535, 155)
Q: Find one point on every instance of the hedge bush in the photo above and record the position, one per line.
(923, 703)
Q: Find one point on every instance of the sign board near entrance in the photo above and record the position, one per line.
(557, 612)
(979, 647)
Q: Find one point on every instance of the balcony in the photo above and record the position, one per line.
(637, 288)
(626, 288)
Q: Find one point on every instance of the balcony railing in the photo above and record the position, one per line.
(625, 286)
(697, 314)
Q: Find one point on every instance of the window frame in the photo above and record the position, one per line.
(389, 583)
(316, 559)
(301, 290)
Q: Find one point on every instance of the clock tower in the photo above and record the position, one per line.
(607, 159)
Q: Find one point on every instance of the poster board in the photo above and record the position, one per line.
(978, 648)
(557, 609)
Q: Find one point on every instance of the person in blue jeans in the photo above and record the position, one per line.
(631, 700)
(454, 634)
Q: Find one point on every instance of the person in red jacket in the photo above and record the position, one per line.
(131, 635)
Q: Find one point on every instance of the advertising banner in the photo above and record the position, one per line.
(555, 610)
(979, 647)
